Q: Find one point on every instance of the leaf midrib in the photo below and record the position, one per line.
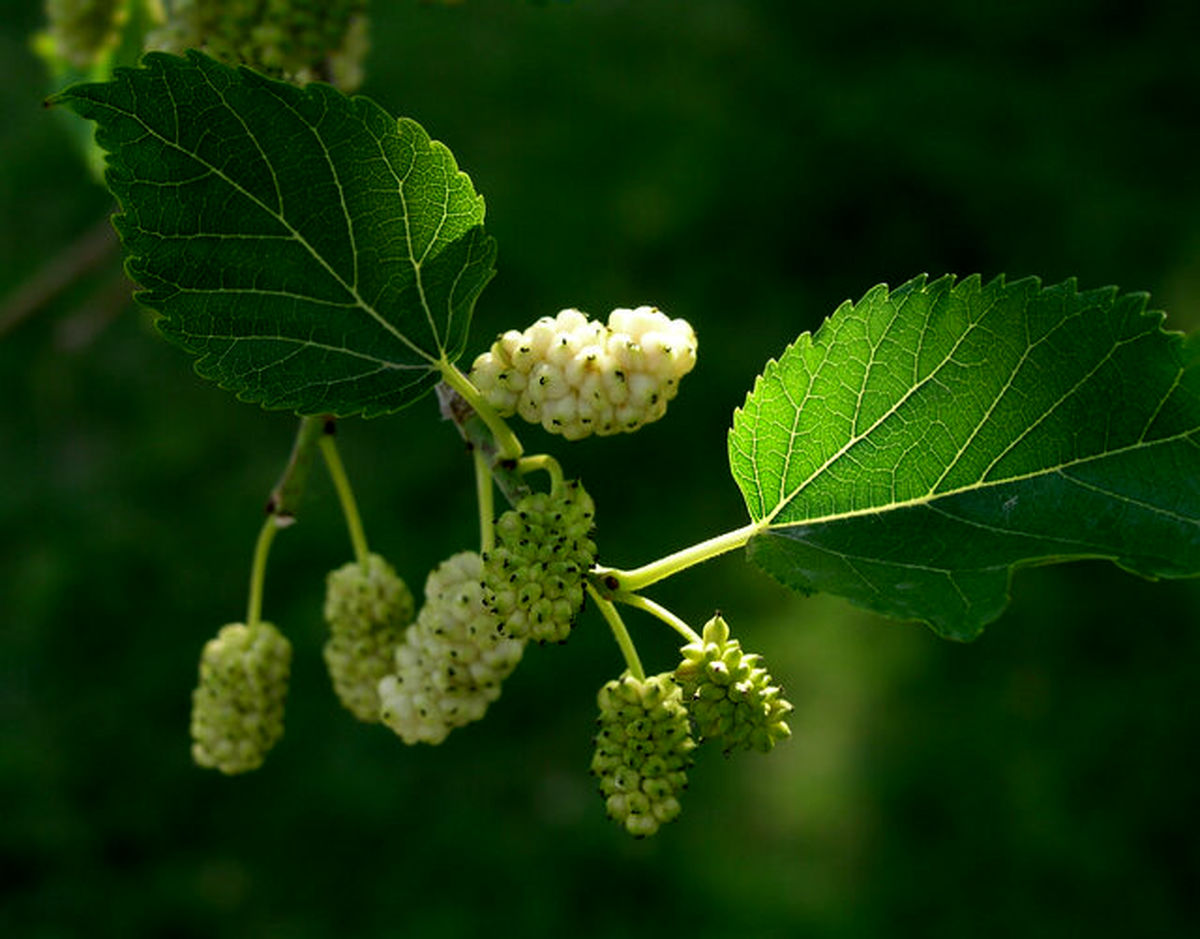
(931, 499)
(787, 498)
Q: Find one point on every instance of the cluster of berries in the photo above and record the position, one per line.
(577, 376)
(237, 707)
(479, 611)
(649, 728)
(534, 577)
(424, 678)
(298, 40)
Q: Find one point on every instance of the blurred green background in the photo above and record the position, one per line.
(747, 165)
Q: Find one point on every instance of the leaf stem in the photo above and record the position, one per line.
(479, 437)
(285, 497)
(341, 482)
(487, 502)
(258, 568)
(543, 461)
(657, 609)
(507, 445)
(628, 582)
(620, 633)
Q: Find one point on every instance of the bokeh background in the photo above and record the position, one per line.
(747, 165)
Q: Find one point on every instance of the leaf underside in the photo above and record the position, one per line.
(928, 440)
(311, 251)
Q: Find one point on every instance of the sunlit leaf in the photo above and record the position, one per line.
(928, 440)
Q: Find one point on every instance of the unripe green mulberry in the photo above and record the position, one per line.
(643, 751)
(453, 659)
(534, 577)
(237, 707)
(367, 607)
(299, 40)
(730, 696)
(577, 376)
(80, 32)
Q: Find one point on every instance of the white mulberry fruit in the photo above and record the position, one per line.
(577, 376)
(367, 607)
(643, 751)
(237, 707)
(534, 577)
(729, 694)
(453, 659)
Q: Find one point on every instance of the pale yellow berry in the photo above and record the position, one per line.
(578, 377)
(453, 659)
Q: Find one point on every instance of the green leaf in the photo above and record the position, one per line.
(928, 440)
(312, 252)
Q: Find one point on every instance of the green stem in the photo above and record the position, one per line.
(285, 497)
(618, 581)
(479, 437)
(345, 495)
(487, 502)
(657, 609)
(258, 569)
(620, 633)
(543, 461)
(507, 445)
